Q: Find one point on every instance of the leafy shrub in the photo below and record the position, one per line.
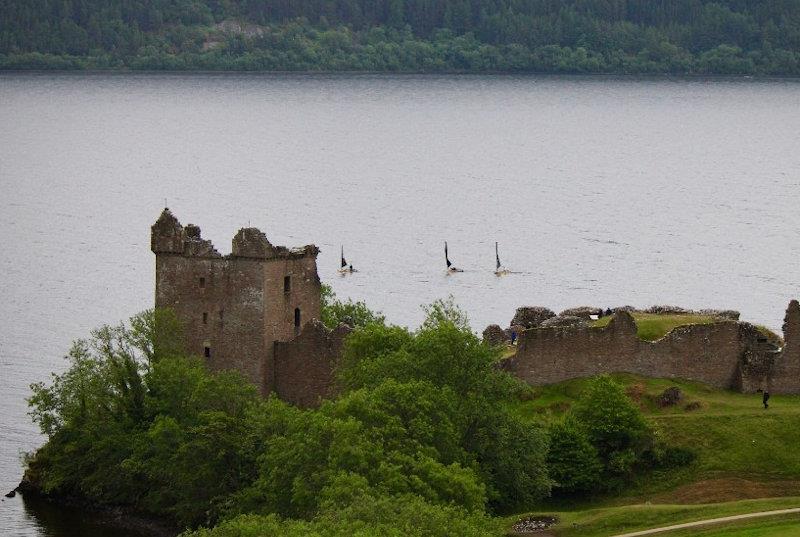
(573, 461)
(355, 314)
(604, 440)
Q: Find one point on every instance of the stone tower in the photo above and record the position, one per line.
(235, 308)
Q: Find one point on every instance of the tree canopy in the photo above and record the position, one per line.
(421, 439)
(623, 36)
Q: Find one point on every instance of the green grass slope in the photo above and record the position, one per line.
(788, 526)
(653, 326)
(747, 458)
(608, 521)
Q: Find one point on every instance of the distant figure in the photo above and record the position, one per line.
(513, 337)
(766, 399)
(608, 312)
(352, 269)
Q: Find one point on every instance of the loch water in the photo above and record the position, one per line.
(600, 191)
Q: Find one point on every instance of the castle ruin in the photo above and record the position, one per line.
(725, 354)
(237, 309)
(256, 310)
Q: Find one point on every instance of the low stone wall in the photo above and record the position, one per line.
(724, 354)
(304, 367)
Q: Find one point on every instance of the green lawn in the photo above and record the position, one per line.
(742, 451)
(604, 522)
(782, 526)
(653, 326)
(731, 433)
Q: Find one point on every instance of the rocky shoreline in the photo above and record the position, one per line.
(119, 517)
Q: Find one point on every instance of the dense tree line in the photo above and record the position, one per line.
(421, 441)
(636, 36)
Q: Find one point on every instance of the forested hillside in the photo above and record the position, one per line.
(625, 36)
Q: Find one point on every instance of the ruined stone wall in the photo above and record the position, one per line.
(304, 367)
(785, 375)
(549, 355)
(709, 353)
(712, 353)
(303, 295)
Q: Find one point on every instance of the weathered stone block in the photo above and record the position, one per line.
(670, 397)
(495, 336)
(531, 316)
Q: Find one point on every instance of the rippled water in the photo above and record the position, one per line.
(601, 191)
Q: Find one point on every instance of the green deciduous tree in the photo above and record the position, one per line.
(355, 314)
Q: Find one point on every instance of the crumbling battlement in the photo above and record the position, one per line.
(235, 307)
(724, 354)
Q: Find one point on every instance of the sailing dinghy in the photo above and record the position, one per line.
(450, 266)
(345, 268)
(499, 268)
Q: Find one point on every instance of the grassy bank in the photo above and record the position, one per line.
(784, 526)
(731, 433)
(603, 522)
(653, 326)
(747, 458)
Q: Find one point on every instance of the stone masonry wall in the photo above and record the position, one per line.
(304, 367)
(279, 318)
(224, 314)
(716, 354)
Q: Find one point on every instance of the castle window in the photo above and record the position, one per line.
(205, 317)
(296, 319)
(287, 284)
(202, 282)
(221, 314)
(207, 352)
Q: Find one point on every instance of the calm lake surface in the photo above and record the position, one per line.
(600, 191)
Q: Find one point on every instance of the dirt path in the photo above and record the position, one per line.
(711, 521)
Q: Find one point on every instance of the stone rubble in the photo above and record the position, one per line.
(534, 524)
